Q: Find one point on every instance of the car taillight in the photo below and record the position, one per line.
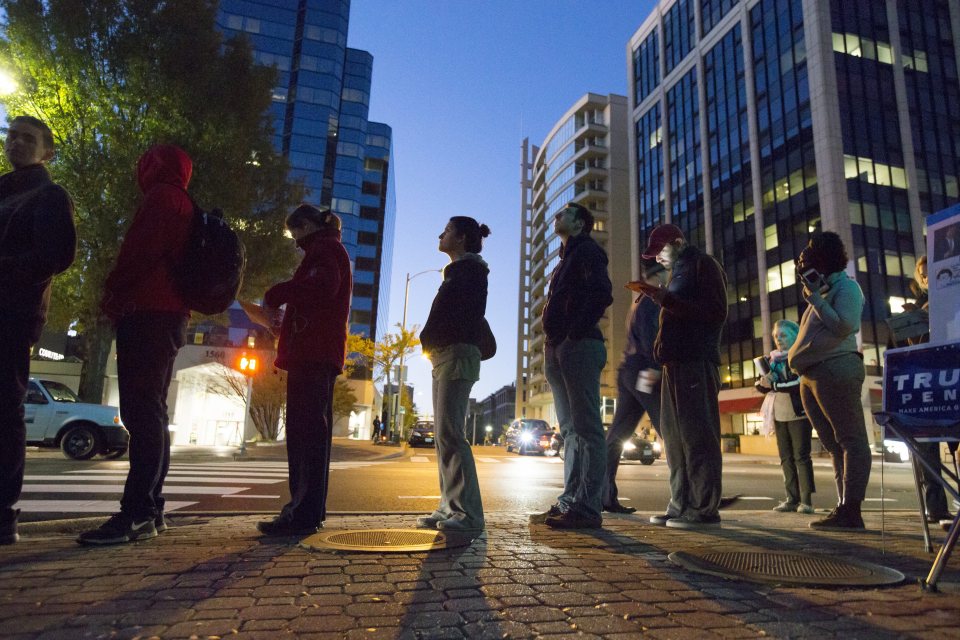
(116, 419)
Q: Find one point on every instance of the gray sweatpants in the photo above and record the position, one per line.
(690, 425)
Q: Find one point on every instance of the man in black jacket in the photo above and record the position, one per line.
(693, 311)
(574, 356)
(37, 241)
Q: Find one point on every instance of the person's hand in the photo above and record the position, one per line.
(639, 286)
(765, 381)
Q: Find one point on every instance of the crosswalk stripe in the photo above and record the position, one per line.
(419, 459)
(122, 477)
(86, 506)
(251, 495)
(488, 460)
(118, 488)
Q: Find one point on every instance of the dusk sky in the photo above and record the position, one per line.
(462, 82)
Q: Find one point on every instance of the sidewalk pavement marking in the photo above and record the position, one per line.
(114, 478)
(118, 488)
(419, 459)
(86, 506)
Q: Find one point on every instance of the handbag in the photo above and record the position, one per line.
(488, 342)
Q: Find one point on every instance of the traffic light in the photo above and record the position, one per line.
(247, 365)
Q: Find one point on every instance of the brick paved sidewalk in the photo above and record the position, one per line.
(214, 578)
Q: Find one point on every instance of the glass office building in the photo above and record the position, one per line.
(754, 123)
(320, 119)
(583, 160)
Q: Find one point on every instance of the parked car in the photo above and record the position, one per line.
(634, 448)
(55, 417)
(421, 434)
(529, 436)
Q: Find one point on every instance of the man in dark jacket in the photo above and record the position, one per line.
(37, 241)
(638, 381)
(312, 350)
(140, 297)
(574, 357)
(694, 309)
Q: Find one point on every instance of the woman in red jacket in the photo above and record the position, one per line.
(312, 347)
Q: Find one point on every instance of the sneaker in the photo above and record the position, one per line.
(806, 508)
(541, 518)
(844, 518)
(427, 522)
(160, 523)
(786, 507)
(694, 522)
(8, 529)
(120, 528)
(281, 526)
(619, 508)
(571, 520)
(662, 519)
(453, 525)
(937, 517)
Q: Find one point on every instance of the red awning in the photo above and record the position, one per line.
(750, 404)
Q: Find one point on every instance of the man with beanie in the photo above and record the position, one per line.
(693, 311)
(37, 241)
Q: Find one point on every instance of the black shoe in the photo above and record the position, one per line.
(8, 529)
(541, 518)
(160, 523)
(694, 522)
(619, 508)
(118, 529)
(937, 517)
(571, 520)
(729, 501)
(281, 526)
(845, 517)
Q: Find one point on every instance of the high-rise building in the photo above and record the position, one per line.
(584, 159)
(320, 119)
(754, 123)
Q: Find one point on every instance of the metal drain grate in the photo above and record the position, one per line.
(787, 568)
(384, 540)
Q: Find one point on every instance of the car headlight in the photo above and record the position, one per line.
(629, 446)
(657, 448)
(897, 447)
(526, 438)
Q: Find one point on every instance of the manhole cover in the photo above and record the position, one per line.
(384, 540)
(786, 567)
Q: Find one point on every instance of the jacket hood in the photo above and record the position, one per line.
(467, 259)
(164, 164)
(317, 236)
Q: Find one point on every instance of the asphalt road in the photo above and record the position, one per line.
(362, 480)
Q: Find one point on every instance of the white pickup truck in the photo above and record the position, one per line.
(55, 417)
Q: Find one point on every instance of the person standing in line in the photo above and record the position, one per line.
(37, 241)
(831, 371)
(312, 350)
(694, 309)
(793, 430)
(140, 297)
(638, 381)
(574, 357)
(451, 338)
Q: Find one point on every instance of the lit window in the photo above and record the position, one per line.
(771, 240)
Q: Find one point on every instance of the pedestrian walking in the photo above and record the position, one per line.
(37, 241)
(451, 338)
(693, 311)
(638, 381)
(784, 416)
(376, 428)
(312, 350)
(832, 373)
(574, 356)
(141, 299)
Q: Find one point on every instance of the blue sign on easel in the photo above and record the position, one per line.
(921, 386)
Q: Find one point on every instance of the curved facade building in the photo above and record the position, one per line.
(584, 159)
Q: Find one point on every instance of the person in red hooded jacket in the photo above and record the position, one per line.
(150, 317)
(312, 349)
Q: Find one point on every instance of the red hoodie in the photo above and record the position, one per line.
(141, 279)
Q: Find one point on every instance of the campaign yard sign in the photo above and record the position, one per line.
(921, 385)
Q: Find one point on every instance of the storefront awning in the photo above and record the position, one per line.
(749, 404)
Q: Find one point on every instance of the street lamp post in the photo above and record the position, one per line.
(398, 426)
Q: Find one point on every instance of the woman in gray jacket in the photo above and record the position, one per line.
(831, 372)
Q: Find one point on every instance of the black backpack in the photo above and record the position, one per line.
(208, 278)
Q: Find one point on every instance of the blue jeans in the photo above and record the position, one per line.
(573, 370)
